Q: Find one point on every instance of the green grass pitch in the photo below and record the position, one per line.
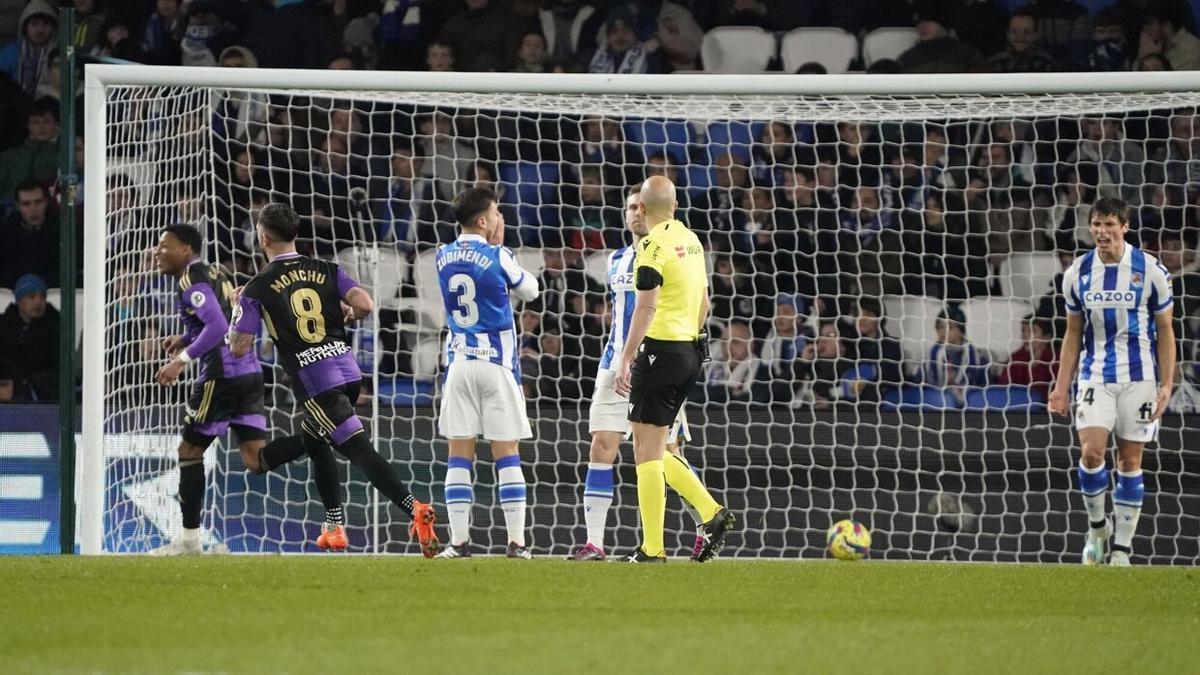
(347, 614)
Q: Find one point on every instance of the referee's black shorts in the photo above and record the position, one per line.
(661, 379)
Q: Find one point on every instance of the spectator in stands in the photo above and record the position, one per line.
(8, 382)
(1035, 362)
(1053, 305)
(1175, 166)
(772, 15)
(345, 60)
(798, 223)
(865, 216)
(204, 37)
(439, 57)
(116, 40)
(1164, 31)
(938, 171)
(550, 376)
(753, 227)
(89, 20)
(254, 22)
(730, 178)
(1022, 55)
(1153, 63)
(561, 280)
(735, 294)
(485, 36)
(36, 158)
(603, 144)
(306, 32)
(1108, 160)
(358, 41)
(821, 365)
(531, 55)
(738, 375)
(29, 330)
(1109, 50)
(401, 200)
(884, 67)
(165, 30)
(1072, 206)
(981, 23)
(591, 217)
(29, 236)
(1065, 27)
(772, 153)
(25, 58)
(240, 115)
(954, 364)
(570, 28)
(622, 52)
(667, 28)
(447, 155)
(937, 51)
(875, 357)
(812, 68)
(1177, 252)
(785, 342)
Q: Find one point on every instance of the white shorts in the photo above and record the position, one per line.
(610, 410)
(482, 398)
(1125, 408)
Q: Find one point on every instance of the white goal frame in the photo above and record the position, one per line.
(90, 464)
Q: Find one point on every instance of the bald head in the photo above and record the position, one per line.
(658, 198)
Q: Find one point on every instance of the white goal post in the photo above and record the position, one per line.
(956, 483)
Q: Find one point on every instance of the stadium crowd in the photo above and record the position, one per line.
(810, 225)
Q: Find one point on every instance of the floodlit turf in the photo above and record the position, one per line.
(387, 614)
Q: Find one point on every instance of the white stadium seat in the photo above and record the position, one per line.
(596, 267)
(6, 299)
(531, 260)
(429, 294)
(737, 49)
(887, 43)
(994, 324)
(1028, 276)
(381, 271)
(910, 318)
(833, 48)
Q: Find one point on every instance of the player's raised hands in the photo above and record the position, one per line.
(1060, 399)
(167, 375)
(172, 345)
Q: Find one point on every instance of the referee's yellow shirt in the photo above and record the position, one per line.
(674, 251)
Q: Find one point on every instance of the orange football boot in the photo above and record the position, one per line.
(422, 527)
(333, 539)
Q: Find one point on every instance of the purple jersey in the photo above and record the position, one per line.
(203, 303)
(299, 298)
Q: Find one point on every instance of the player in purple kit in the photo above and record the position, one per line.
(228, 392)
(306, 304)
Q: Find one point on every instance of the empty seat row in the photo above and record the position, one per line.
(746, 49)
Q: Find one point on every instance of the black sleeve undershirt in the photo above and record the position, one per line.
(647, 279)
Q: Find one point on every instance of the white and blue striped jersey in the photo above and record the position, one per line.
(476, 278)
(621, 294)
(1119, 303)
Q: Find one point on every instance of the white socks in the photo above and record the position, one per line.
(513, 497)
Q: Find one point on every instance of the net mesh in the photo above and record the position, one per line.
(818, 212)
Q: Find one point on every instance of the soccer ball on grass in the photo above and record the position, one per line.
(848, 540)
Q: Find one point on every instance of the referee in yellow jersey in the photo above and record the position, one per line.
(662, 357)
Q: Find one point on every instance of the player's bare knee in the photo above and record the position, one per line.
(604, 450)
(1129, 456)
(251, 452)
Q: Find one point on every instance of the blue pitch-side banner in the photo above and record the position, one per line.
(28, 479)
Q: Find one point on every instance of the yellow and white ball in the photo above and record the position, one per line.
(848, 540)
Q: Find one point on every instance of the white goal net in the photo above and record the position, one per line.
(850, 235)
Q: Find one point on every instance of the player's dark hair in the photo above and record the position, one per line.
(470, 203)
(280, 221)
(1110, 206)
(635, 189)
(187, 234)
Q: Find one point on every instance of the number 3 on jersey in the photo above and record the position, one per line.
(310, 323)
(463, 288)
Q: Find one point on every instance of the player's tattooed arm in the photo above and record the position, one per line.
(360, 302)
